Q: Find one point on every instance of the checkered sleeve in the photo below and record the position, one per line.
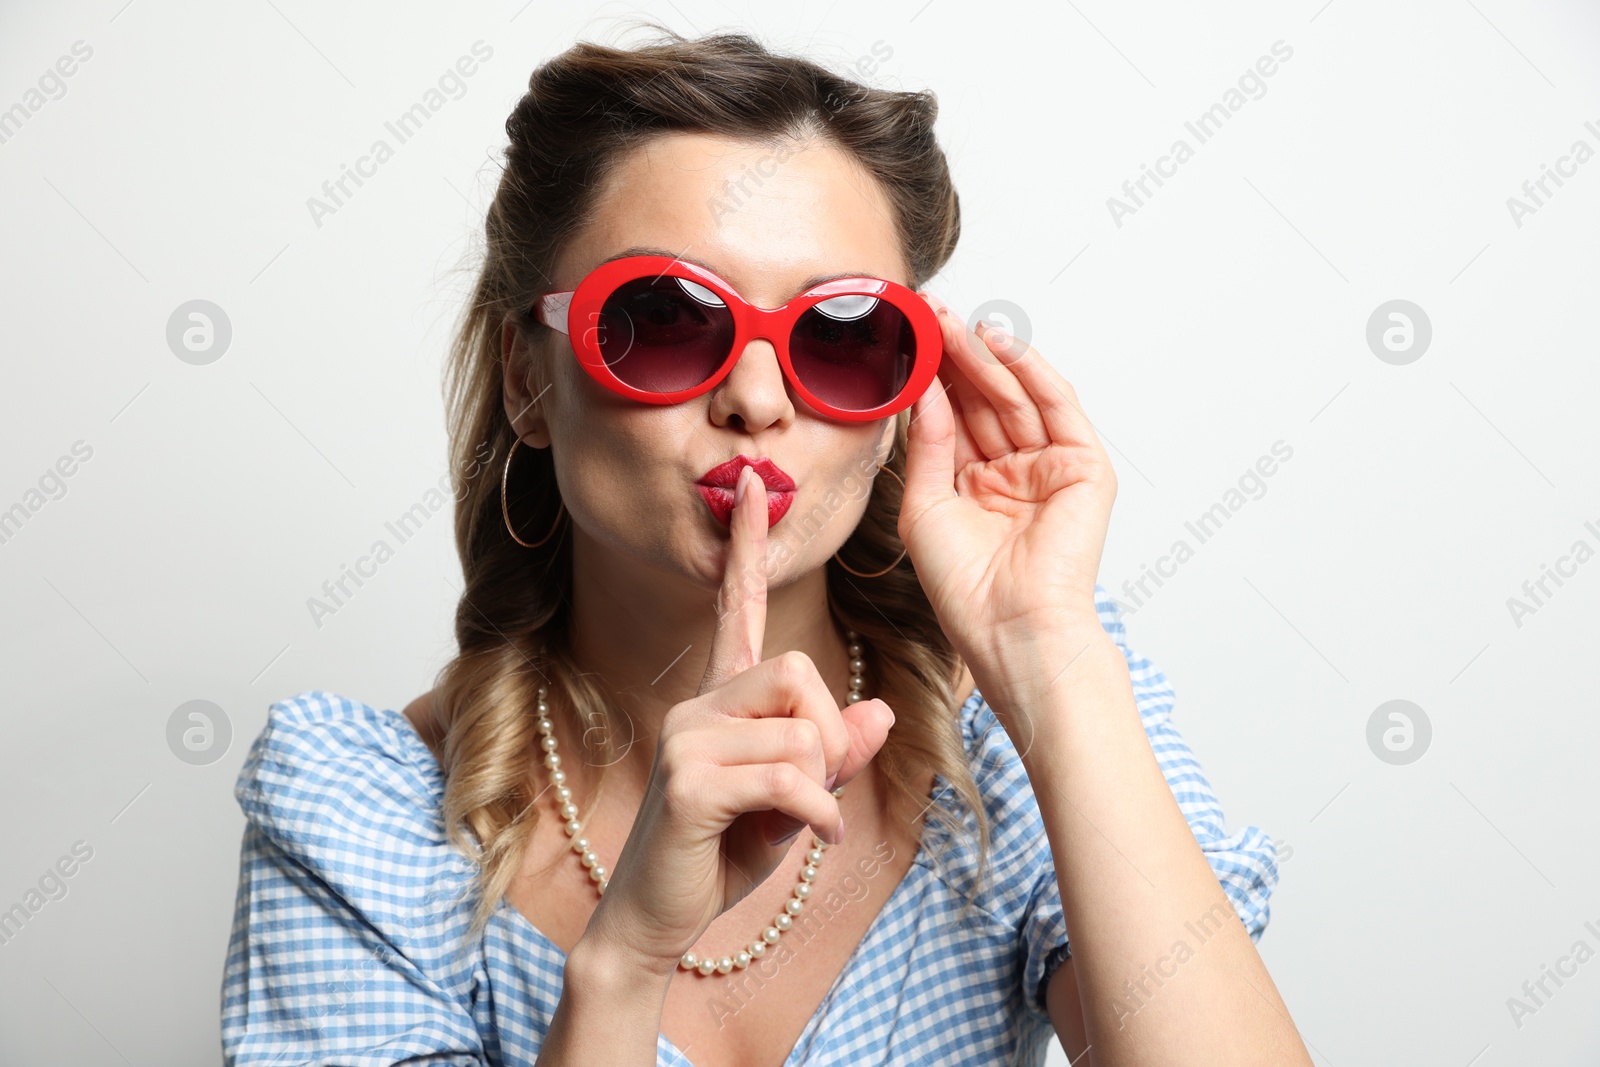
(345, 947)
(1245, 861)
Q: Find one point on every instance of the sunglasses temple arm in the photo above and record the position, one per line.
(553, 311)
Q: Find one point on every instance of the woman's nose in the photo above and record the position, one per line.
(755, 391)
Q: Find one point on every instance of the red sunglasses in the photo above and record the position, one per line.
(661, 330)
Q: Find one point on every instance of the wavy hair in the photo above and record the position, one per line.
(584, 109)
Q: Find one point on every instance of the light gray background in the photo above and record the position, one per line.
(1227, 313)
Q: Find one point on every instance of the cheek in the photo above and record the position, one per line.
(858, 477)
(621, 470)
(600, 475)
(823, 519)
(855, 486)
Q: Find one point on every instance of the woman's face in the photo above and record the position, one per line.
(766, 221)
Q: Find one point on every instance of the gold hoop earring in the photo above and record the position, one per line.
(890, 567)
(505, 509)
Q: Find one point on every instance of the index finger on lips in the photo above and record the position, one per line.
(742, 601)
(741, 629)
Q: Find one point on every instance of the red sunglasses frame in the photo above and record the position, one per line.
(775, 325)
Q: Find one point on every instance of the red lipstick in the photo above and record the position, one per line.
(716, 487)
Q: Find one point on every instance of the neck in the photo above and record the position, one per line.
(646, 636)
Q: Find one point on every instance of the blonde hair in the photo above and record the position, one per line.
(582, 111)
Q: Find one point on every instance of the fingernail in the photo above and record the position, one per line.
(999, 331)
(838, 835)
(738, 488)
(829, 783)
(978, 345)
(938, 305)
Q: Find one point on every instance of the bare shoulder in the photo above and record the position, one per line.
(421, 713)
(966, 685)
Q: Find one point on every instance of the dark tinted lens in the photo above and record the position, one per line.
(854, 352)
(664, 334)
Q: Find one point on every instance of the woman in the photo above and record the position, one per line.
(868, 752)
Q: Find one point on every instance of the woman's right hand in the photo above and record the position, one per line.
(752, 757)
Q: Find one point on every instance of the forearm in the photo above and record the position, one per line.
(609, 1013)
(1166, 971)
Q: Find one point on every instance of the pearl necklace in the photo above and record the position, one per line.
(792, 908)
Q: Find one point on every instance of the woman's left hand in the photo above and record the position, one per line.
(1008, 497)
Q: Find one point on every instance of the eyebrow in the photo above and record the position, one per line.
(809, 283)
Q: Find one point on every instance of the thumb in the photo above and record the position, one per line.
(930, 454)
(868, 723)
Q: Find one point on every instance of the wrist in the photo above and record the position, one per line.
(609, 1012)
(1033, 690)
(1027, 667)
(604, 964)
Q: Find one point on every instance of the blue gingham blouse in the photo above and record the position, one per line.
(348, 941)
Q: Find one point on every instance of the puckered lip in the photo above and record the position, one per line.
(726, 475)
